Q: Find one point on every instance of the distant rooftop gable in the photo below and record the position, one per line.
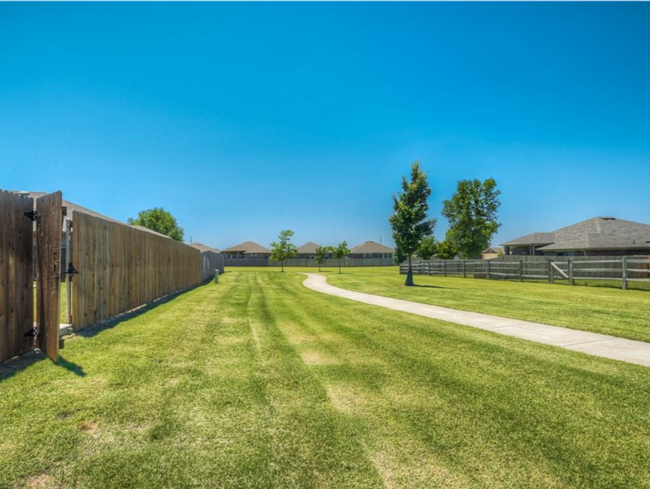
(248, 247)
(596, 233)
(309, 247)
(372, 247)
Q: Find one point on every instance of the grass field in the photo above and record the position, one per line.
(260, 382)
(624, 313)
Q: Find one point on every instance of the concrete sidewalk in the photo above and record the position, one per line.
(601, 345)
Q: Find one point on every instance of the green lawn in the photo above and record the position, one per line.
(260, 382)
(624, 313)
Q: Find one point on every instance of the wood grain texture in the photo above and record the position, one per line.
(16, 275)
(48, 265)
(121, 268)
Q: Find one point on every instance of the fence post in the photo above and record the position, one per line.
(488, 269)
(444, 268)
(464, 271)
(570, 271)
(624, 272)
(550, 272)
(68, 262)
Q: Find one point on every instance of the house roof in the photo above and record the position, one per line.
(531, 239)
(309, 247)
(72, 207)
(248, 247)
(493, 249)
(372, 247)
(202, 247)
(596, 233)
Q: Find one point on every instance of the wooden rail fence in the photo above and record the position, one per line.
(121, 268)
(625, 269)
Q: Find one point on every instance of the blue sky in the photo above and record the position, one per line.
(245, 119)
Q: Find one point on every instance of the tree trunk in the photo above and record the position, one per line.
(339, 265)
(409, 276)
(282, 265)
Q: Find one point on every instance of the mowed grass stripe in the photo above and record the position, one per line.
(447, 379)
(260, 382)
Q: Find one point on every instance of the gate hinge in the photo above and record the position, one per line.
(32, 333)
(33, 215)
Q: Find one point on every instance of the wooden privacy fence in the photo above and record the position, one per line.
(307, 262)
(625, 269)
(24, 256)
(210, 262)
(121, 268)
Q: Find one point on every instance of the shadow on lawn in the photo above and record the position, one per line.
(11, 367)
(70, 366)
(94, 330)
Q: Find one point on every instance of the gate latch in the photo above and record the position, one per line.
(32, 333)
(71, 270)
(33, 215)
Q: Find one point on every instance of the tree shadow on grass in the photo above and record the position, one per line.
(430, 286)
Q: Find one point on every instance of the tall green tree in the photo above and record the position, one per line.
(446, 250)
(340, 251)
(159, 220)
(428, 248)
(283, 249)
(321, 254)
(409, 221)
(472, 216)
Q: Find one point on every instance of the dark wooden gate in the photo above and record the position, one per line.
(16, 275)
(48, 270)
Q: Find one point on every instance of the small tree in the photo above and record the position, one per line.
(446, 250)
(472, 216)
(340, 251)
(321, 254)
(409, 220)
(159, 220)
(428, 248)
(283, 249)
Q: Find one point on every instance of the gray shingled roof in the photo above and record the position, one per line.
(593, 234)
(372, 247)
(247, 247)
(531, 239)
(309, 247)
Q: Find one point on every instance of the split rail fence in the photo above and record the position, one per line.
(624, 269)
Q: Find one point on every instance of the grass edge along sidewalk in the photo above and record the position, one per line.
(260, 382)
(630, 351)
(609, 311)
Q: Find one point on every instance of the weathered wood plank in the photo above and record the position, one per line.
(48, 241)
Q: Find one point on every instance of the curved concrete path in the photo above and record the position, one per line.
(601, 345)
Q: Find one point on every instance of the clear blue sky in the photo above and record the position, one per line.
(245, 119)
